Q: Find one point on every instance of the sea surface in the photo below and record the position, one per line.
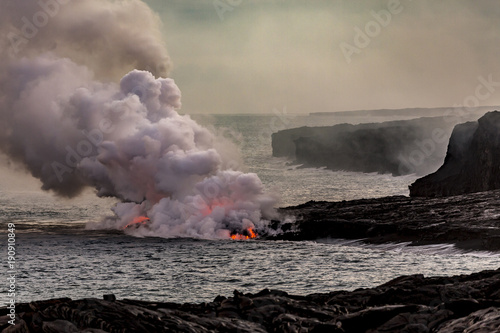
(57, 257)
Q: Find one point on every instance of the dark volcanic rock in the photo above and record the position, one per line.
(472, 163)
(406, 304)
(470, 221)
(387, 147)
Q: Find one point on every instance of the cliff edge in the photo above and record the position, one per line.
(472, 162)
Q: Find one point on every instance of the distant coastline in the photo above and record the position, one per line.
(407, 112)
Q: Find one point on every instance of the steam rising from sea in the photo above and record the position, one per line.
(68, 118)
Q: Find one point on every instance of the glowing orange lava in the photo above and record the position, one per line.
(216, 204)
(249, 234)
(138, 220)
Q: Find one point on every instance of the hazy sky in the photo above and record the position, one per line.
(250, 56)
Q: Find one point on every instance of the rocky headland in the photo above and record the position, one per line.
(472, 162)
(387, 147)
(465, 303)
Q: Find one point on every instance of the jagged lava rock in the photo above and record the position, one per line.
(472, 162)
(470, 221)
(406, 304)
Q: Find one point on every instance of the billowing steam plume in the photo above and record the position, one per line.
(67, 120)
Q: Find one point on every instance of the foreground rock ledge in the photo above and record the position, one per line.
(465, 303)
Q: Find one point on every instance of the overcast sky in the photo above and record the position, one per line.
(256, 55)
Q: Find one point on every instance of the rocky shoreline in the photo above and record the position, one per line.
(406, 304)
(465, 303)
(470, 221)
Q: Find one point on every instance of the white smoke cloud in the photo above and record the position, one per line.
(71, 125)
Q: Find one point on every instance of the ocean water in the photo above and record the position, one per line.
(57, 257)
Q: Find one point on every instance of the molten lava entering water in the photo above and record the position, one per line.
(247, 234)
(138, 220)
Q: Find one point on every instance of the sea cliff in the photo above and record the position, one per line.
(396, 147)
(472, 162)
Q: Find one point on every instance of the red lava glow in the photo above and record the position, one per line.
(139, 220)
(248, 234)
(207, 211)
(209, 208)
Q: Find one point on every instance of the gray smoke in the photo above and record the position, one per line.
(67, 119)
(109, 37)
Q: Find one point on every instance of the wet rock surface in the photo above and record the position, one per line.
(472, 161)
(465, 303)
(470, 221)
